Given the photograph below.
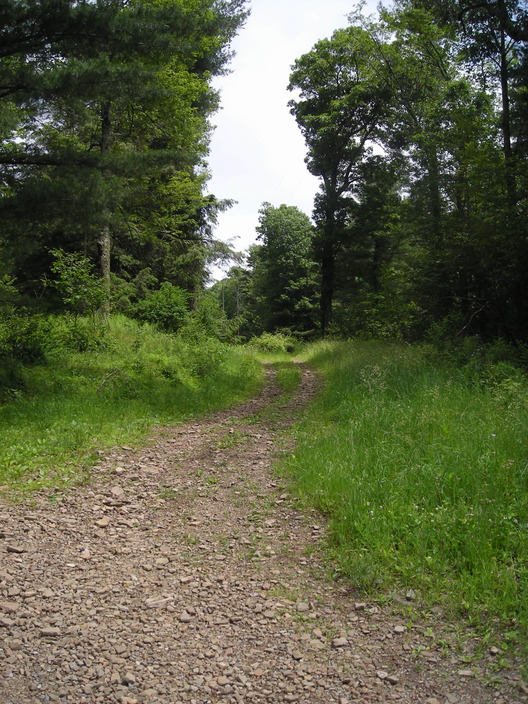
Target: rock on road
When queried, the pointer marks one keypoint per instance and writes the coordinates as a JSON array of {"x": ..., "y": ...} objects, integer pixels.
[{"x": 185, "y": 572}]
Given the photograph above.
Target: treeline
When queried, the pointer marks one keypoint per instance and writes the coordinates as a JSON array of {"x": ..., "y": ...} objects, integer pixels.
[
  {"x": 416, "y": 124},
  {"x": 104, "y": 129}
]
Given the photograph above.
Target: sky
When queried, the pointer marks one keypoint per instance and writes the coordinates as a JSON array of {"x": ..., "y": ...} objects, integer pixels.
[{"x": 257, "y": 151}]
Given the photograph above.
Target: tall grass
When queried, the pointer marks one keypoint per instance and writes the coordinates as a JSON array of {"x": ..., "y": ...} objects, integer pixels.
[
  {"x": 423, "y": 472},
  {"x": 79, "y": 402}
]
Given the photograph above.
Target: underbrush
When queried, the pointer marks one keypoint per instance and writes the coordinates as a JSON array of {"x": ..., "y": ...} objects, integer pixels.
[
  {"x": 96, "y": 388},
  {"x": 422, "y": 469}
]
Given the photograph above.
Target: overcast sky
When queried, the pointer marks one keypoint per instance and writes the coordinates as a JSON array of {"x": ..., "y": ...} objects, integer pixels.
[{"x": 257, "y": 150}]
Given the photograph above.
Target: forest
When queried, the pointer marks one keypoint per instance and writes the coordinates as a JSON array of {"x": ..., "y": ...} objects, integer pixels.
[
  {"x": 415, "y": 123},
  {"x": 406, "y": 287}
]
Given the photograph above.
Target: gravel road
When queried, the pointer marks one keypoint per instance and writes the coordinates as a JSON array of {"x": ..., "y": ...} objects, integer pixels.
[{"x": 185, "y": 572}]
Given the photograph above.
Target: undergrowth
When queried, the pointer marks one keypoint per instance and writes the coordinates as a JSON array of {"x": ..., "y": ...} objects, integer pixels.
[
  {"x": 422, "y": 470},
  {"x": 110, "y": 393}
]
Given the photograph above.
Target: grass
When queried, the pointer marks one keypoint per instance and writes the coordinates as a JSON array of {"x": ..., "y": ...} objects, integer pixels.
[
  {"x": 422, "y": 470},
  {"x": 78, "y": 403}
]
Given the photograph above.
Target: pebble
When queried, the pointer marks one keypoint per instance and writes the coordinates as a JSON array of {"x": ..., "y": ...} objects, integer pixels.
[
  {"x": 127, "y": 602},
  {"x": 50, "y": 632},
  {"x": 17, "y": 549}
]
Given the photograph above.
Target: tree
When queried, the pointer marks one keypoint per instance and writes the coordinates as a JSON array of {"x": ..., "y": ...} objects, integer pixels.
[
  {"x": 338, "y": 109},
  {"x": 490, "y": 40},
  {"x": 408, "y": 153},
  {"x": 284, "y": 272},
  {"x": 103, "y": 105}
]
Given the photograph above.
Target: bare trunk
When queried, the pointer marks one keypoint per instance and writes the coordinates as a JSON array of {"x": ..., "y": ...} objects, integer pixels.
[
  {"x": 506, "y": 122},
  {"x": 105, "y": 236},
  {"x": 105, "y": 246}
]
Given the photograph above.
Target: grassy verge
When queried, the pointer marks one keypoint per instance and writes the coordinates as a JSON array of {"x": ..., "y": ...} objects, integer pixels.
[
  {"x": 78, "y": 402},
  {"x": 422, "y": 470}
]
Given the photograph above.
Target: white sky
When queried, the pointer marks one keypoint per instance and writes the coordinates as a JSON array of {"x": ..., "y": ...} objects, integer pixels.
[{"x": 257, "y": 150}]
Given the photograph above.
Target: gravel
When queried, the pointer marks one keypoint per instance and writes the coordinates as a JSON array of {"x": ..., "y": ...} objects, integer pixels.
[{"x": 185, "y": 572}]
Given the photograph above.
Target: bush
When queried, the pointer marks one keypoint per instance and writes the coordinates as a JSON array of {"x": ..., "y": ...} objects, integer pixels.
[
  {"x": 80, "y": 289},
  {"x": 23, "y": 337},
  {"x": 76, "y": 335},
  {"x": 274, "y": 342},
  {"x": 168, "y": 307},
  {"x": 211, "y": 319}
]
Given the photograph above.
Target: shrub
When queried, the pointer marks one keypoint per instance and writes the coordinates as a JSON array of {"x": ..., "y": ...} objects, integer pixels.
[
  {"x": 80, "y": 289},
  {"x": 274, "y": 342},
  {"x": 168, "y": 307}
]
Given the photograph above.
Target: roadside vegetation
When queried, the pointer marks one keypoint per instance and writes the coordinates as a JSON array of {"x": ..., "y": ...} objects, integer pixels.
[
  {"x": 420, "y": 465},
  {"x": 97, "y": 385}
]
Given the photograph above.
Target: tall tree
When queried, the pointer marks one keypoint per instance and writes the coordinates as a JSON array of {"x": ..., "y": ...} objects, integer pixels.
[
  {"x": 112, "y": 99},
  {"x": 338, "y": 109},
  {"x": 284, "y": 272}
]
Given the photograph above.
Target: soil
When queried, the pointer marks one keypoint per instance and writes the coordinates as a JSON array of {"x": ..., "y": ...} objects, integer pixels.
[{"x": 186, "y": 572}]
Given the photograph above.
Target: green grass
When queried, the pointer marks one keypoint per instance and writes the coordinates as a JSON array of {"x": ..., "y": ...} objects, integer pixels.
[
  {"x": 288, "y": 376},
  {"x": 78, "y": 403},
  {"x": 423, "y": 473}
]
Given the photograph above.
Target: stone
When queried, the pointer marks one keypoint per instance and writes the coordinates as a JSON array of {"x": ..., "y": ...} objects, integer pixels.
[
  {"x": 50, "y": 632},
  {"x": 9, "y": 607},
  {"x": 17, "y": 549},
  {"x": 399, "y": 629},
  {"x": 381, "y": 674},
  {"x": 466, "y": 673},
  {"x": 302, "y": 607},
  {"x": 339, "y": 642}
]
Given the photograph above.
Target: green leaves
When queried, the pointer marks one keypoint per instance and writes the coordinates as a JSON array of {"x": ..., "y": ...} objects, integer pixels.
[
  {"x": 107, "y": 107},
  {"x": 80, "y": 289}
]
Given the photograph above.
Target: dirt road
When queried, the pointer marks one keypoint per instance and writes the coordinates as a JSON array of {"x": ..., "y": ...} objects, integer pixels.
[{"x": 183, "y": 572}]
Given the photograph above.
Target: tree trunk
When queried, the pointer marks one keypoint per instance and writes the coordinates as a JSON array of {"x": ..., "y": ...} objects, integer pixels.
[
  {"x": 105, "y": 246},
  {"x": 506, "y": 122},
  {"x": 327, "y": 284},
  {"x": 105, "y": 236}
]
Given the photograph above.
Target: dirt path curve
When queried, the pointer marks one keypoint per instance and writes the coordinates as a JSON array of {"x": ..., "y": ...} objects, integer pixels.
[{"x": 184, "y": 573}]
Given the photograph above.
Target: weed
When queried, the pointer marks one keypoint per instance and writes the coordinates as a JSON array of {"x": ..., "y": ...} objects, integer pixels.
[
  {"x": 75, "y": 403},
  {"x": 167, "y": 493},
  {"x": 423, "y": 477}
]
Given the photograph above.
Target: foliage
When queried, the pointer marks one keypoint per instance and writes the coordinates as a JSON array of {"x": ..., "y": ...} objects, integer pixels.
[
  {"x": 284, "y": 276},
  {"x": 80, "y": 290},
  {"x": 210, "y": 320},
  {"x": 79, "y": 403},
  {"x": 422, "y": 170},
  {"x": 104, "y": 112},
  {"x": 167, "y": 307},
  {"x": 277, "y": 290},
  {"x": 274, "y": 342},
  {"x": 423, "y": 475}
]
